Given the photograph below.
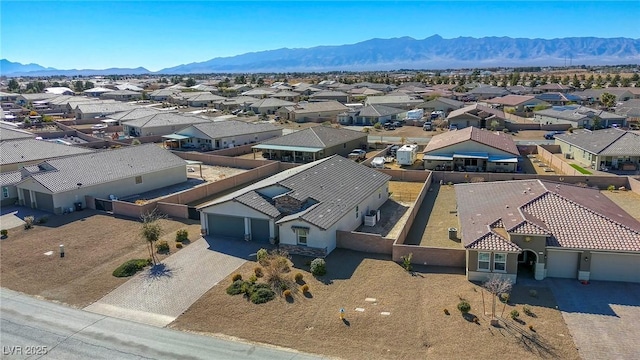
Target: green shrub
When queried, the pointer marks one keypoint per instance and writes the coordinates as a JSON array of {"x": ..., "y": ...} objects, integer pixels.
[
  {"x": 4, "y": 233},
  {"x": 298, "y": 277},
  {"x": 262, "y": 254},
  {"x": 258, "y": 271},
  {"x": 179, "y": 245},
  {"x": 527, "y": 310},
  {"x": 305, "y": 288},
  {"x": 253, "y": 279},
  {"x": 406, "y": 261},
  {"x": 318, "y": 267},
  {"x": 162, "y": 247},
  {"x": 235, "y": 288},
  {"x": 504, "y": 297},
  {"x": 182, "y": 235},
  {"x": 284, "y": 286},
  {"x": 262, "y": 295},
  {"x": 43, "y": 220},
  {"x": 287, "y": 293},
  {"x": 377, "y": 126},
  {"x": 130, "y": 267},
  {"x": 514, "y": 314},
  {"x": 464, "y": 307},
  {"x": 236, "y": 277},
  {"x": 611, "y": 187}
]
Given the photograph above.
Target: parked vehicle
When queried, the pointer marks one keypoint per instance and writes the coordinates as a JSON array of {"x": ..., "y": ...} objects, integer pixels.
[
  {"x": 357, "y": 155},
  {"x": 428, "y": 126},
  {"x": 407, "y": 154},
  {"x": 388, "y": 126},
  {"x": 393, "y": 150},
  {"x": 378, "y": 162},
  {"x": 397, "y": 124},
  {"x": 552, "y": 134}
]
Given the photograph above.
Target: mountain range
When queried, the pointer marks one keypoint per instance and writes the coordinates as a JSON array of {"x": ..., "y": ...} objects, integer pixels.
[{"x": 433, "y": 52}]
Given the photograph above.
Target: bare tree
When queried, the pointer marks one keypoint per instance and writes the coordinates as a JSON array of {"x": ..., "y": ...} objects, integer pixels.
[
  {"x": 152, "y": 230},
  {"x": 497, "y": 285}
]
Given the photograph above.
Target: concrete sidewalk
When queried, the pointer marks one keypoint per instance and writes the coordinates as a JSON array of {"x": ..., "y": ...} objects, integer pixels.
[{"x": 158, "y": 295}]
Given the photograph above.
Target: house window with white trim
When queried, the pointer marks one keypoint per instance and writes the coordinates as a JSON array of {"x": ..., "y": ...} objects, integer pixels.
[
  {"x": 302, "y": 235},
  {"x": 5, "y": 192},
  {"x": 500, "y": 262},
  {"x": 484, "y": 258}
]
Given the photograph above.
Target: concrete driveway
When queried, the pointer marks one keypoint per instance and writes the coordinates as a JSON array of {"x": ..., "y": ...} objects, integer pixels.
[
  {"x": 11, "y": 216},
  {"x": 157, "y": 296},
  {"x": 603, "y": 317}
]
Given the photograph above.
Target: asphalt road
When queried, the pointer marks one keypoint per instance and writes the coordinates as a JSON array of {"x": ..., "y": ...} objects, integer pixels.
[{"x": 36, "y": 329}]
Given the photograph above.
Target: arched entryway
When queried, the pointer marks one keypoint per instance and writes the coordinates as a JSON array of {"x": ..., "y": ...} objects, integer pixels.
[{"x": 527, "y": 262}]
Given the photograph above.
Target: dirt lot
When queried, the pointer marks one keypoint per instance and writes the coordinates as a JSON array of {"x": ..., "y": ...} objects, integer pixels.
[
  {"x": 627, "y": 200},
  {"x": 95, "y": 244},
  {"x": 436, "y": 215},
  {"x": 212, "y": 173},
  {"x": 404, "y": 192},
  {"x": 403, "y": 315}
]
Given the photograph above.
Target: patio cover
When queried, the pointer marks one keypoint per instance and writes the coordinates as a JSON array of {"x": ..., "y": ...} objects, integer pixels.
[
  {"x": 438, "y": 157},
  {"x": 471, "y": 156},
  {"x": 176, "y": 137},
  {"x": 287, "y": 148},
  {"x": 503, "y": 159}
]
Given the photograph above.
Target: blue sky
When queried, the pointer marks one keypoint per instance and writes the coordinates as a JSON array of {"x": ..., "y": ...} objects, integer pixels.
[{"x": 159, "y": 34}]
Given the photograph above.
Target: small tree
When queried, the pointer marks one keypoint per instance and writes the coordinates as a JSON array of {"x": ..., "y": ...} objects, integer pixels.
[
  {"x": 608, "y": 100},
  {"x": 497, "y": 285},
  {"x": 190, "y": 82},
  {"x": 151, "y": 231}
]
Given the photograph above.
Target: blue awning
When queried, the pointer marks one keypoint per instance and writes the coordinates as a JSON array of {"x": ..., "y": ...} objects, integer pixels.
[
  {"x": 176, "y": 137},
  {"x": 471, "y": 156},
  {"x": 437, "y": 157},
  {"x": 502, "y": 159}
]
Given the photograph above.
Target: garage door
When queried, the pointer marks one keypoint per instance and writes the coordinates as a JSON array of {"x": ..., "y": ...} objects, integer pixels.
[
  {"x": 226, "y": 226},
  {"x": 562, "y": 264},
  {"x": 615, "y": 267},
  {"x": 45, "y": 201},
  {"x": 260, "y": 230}
]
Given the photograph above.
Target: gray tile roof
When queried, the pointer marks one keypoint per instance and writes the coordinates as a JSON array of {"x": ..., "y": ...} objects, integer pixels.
[
  {"x": 392, "y": 99},
  {"x": 317, "y": 107},
  {"x": 136, "y": 113},
  {"x": 221, "y": 129},
  {"x": 106, "y": 166},
  {"x": 165, "y": 119},
  {"x": 271, "y": 102},
  {"x": 28, "y": 150},
  {"x": 10, "y": 178},
  {"x": 103, "y": 108},
  {"x": 575, "y": 217},
  {"x": 604, "y": 142},
  {"x": 10, "y": 133},
  {"x": 379, "y": 110},
  {"x": 477, "y": 110},
  {"x": 577, "y": 112},
  {"x": 317, "y": 137},
  {"x": 330, "y": 183}
]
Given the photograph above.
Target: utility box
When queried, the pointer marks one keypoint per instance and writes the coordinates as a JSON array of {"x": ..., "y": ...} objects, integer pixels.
[{"x": 453, "y": 233}]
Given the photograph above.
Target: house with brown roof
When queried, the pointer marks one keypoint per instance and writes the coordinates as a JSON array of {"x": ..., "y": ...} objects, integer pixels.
[
  {"x": 477, "y": 115},
  {"x": 518, "y": 103},
  {"x": 540, "y": 229},
  {"x": 471, "y": 149},
  {"x": 312, "y": 111},
  {"x": 606, "y": 149}
]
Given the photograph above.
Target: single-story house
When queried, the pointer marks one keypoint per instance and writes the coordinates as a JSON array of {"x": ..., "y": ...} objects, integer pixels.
[
  {"x": 338, "y": 96},
  {"x": 198, "y": 99},
  {"x": 471, "y": 149},
  {"x": 477, "y": 115},
  {"x": 57, "y": 185},
  {"x": 520, "y": 90},
  {"x": 88, "y": 110},
  {"x": 286, "y": 95},
  {"x": 313, "y": 111},
  {"x": 162, "y": 94},
  {"x": 97, "y": 91},
  {"x": 553, "y": 87},
  {"x": 136, "y": 113},
  {"x": 17, "y": 153},
  {"x": 484, "y": 92},
  {"x": 629, "y": 109},
  {"x": 259, "y": 93},
  {"x": 8, "y": 181},
  {"x": 593, "y": 96},
  {"x": 602, "y": 149},
  {"x": 24, "y": 99},
  {"x": 160, "y": 124},
  {"x": 223, "y": 134},
  {"x": 269, "y": 105},
  {"x": 519, "y": 103},
  {"x": 122, "y": 95},
  {"x": 8, "y": 132},
  {"x": 370, "y": 115},
  {"x": 239, "y": 102},
  {"x": 300, "y": 208},
  {"x": 544, "y": 229},
  {"x": 398, "y": 101},
  {"x": 60, "y": 90},
  {"x": 312, "y": 144},
  {"x": 557, "y": 98},
  {"x": 443, "y": 104},
  {"x": 578, "y": 116},
  {"x": 8, "y": 97},
  {"x": 364, "y": 92}
]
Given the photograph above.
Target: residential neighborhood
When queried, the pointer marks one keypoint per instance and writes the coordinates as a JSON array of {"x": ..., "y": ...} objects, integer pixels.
[{"x": 308, "y": 209}]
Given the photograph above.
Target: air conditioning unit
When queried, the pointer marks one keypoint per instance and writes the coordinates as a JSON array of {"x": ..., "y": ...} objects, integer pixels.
[{"x": 568, "y": 156}]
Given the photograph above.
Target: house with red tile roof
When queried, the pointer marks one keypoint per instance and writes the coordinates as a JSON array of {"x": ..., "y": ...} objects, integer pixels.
[
  {"x": 472, "y": 149},
  {"x": 542, "y": 229}
]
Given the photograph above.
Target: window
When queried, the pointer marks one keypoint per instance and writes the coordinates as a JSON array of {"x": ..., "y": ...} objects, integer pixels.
[
  {"x": 357, "y": 212},
  {"x": 5, "y": 192},
  {"x": 138, "y": 179},
  {"x": 500, "y": 262},
  {"x": 483, "y": 261},
  {"x": 302, "y": 236}
]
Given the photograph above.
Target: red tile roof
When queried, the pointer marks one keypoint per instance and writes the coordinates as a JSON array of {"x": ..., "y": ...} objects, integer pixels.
[{"x": 573, "y": 216}]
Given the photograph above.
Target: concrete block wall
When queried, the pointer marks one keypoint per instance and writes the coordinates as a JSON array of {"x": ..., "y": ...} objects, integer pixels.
[
  {"x": 176, "y": 211},
  {"x": 364, "y": 242},
  {"x": 413, "y": 210},
  {"x": 430, "y": 255}
]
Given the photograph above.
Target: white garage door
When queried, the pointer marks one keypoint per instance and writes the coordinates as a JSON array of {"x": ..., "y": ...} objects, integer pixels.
[
  {"x": 615, "y": 267},
  {"x": 562, "y": 264}
]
